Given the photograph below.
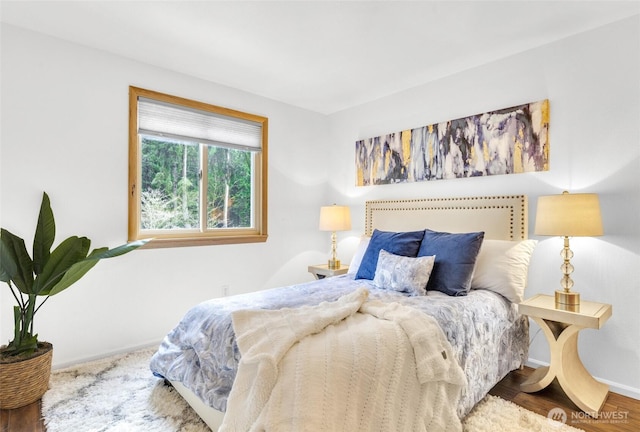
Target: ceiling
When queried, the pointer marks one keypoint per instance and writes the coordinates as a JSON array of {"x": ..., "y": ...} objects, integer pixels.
[{"x": 323, "y": 56}]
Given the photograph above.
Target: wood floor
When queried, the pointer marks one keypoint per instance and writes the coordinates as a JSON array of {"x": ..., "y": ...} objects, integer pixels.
[
  {"x": 25, "y": 419},
  {"x": 620, "y": 413}
]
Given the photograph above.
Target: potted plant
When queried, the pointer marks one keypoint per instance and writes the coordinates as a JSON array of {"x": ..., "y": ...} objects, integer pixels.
[{"x": 32, "y": 281}]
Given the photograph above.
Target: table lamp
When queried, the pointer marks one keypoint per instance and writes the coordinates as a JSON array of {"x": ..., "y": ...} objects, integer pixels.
[
  {"x": 334, "y": 218},
  {"x": 568, "y": 215}
]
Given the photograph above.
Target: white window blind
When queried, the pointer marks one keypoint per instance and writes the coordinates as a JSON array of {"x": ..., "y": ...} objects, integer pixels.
[{"x": 163, "y": 119}]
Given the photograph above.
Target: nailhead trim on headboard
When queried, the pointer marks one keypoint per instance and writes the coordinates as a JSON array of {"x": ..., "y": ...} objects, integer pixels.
[{"x": 516, "y": 205}]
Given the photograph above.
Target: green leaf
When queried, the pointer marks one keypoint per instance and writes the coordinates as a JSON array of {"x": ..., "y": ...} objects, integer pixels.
[
  {"x": 45, "y": 234},
  {"x": 69, "y": 252},
  {"x": 18, "y": 265},
  {"x": 104, "y": 253},
  {"x": 74, "y": 273},
  {"x": 7, "y": 263},
  {"x": 81, "y": 268}
]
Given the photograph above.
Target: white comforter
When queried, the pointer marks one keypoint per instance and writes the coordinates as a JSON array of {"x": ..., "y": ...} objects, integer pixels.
[{"x": 343, "y": 366}]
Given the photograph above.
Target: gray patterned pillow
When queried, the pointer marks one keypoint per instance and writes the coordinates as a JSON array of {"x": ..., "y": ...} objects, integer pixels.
[{"x": 403, "y": 274}]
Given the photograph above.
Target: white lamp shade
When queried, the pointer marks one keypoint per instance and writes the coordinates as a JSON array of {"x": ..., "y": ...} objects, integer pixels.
[
  {"x": 571, "y": 215},
  {"x": 335, "y": 218}
]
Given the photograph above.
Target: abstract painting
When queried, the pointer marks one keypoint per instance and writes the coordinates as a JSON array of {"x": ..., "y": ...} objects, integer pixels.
[{"x": 506, "y": 141}]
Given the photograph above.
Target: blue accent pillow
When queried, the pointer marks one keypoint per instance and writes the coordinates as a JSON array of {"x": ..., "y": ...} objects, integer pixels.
[
  {"x": 398, "y": 243},
  {"x": 456, "y": 256}
]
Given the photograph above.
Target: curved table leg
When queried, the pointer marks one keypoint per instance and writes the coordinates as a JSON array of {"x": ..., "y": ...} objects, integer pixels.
[{"x": 578, "y": 384}]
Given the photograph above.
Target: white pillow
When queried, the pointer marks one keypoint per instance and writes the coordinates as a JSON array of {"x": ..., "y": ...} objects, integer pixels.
[
  {"x": 403, "y": 274},
  {"x": 502, "y": 266},
  {"x": 357, "y": 256}
]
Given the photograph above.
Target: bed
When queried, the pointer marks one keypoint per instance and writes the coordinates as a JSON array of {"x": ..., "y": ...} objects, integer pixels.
[{"x": 477, "y": 254}]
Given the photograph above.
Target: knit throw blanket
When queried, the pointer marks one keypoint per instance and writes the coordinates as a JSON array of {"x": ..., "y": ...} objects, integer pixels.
[{"x": 348, "y": 365}]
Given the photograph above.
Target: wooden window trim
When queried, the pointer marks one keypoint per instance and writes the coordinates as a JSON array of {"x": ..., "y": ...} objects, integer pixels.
[{"x": 194, "y": 238}]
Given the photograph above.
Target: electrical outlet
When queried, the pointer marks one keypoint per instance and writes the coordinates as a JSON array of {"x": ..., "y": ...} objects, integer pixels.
[{"x": 224, "y": 290}]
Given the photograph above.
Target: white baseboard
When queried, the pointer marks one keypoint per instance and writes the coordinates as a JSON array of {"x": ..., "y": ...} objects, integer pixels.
[
  {"x": 78, "y": 361},
  {"x": 615, "y": 387}
]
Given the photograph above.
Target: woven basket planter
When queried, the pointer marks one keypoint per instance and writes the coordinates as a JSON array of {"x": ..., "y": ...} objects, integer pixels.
[{"x": 25, "y": 381}]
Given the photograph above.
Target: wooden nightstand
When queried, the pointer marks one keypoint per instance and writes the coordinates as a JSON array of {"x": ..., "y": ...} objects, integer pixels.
[
  {"x": 561, "y": 329},
  {"x": 322, "y": 271}
]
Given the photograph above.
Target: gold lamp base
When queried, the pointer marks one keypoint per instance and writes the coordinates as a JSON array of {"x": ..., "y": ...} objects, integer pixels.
[
  {"x": 568, "y": 300},
  {"x": 334, "y": 264}
]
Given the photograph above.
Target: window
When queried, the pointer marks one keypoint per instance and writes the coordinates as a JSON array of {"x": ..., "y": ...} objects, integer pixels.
[{"x": 197, "y": 172}]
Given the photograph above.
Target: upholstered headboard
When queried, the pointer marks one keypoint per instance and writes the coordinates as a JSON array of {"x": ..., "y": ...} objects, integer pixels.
[{"x": 500, "y": 217}]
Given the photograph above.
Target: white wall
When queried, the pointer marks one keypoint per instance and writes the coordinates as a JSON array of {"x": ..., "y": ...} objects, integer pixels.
[
  {"x": 65, "y": 131},
  {"x": 593, "y": 83}
]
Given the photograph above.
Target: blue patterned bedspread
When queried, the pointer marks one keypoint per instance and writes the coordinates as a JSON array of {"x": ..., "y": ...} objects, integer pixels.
[{"x": 487, "y": 334}]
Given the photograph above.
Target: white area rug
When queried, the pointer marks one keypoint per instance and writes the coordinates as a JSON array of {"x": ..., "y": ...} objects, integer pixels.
[{"x": 119, "y": 394}]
